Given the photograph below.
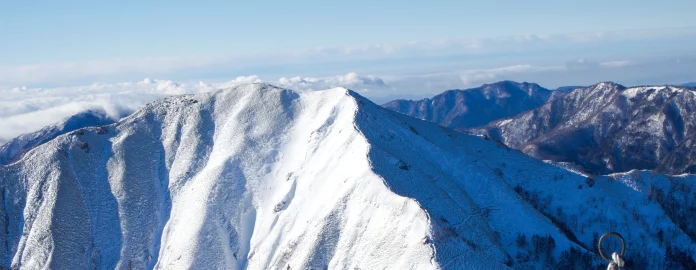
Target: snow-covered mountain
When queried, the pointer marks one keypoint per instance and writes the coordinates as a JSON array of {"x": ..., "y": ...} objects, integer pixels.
[
  {"x": 609, "y": 128},
  {"x": 258, "y": 177},
  {"x": 15, "y": 148},
  {"x": 459, "y": 109}
]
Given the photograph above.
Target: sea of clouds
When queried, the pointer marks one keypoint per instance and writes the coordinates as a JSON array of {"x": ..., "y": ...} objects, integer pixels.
[
  {"x": 28, "y": 109},
  {"x": 24, "y": 110}
]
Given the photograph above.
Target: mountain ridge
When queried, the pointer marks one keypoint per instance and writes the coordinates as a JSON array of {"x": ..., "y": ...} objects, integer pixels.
[
  {"x": 260, "y": 177},
  {"x": 13, "y": 150},
  {"x": 73, "y": 147},
  {"x": 603, "y": 118}
]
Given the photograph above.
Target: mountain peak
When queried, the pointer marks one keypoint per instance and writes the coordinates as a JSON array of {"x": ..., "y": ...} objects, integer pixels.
[
  {"x": 608, "y": 85},
  {"x": 528, "y": 88},
  {"x": 512, "y": 83},
  {"x": 276, "y": 177}
]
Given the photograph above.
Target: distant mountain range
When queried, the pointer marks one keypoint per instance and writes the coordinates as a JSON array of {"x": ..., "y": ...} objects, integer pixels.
[
  {"x": 461, "y": 109},
  {"x": 609, "y": 128},
  {"x": 604, "y": 128}
]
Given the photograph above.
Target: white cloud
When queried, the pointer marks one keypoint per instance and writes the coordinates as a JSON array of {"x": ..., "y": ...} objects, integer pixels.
[
  {"x": 111, "y": 70},
  {"x": 353, "y": 79},
  {"x": 584, "y": 64},
  {"x": 299, "y": 83},
  {"x": 477, "y": 77},
  {"x": 617, "y": 64},
  {"x": 237, "y": 81},
  {"x": 24, "y": 109},
  {"x": 34, "y": 120},
  {"x": 350, "y": 80},
  {"x": 69, "y": 71}
]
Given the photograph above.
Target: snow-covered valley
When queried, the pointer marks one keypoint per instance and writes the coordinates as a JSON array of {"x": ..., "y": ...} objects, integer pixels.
[{"x": 259, "y": 177}]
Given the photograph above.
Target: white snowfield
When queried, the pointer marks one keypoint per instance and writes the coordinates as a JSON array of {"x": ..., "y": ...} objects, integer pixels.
[{"x": 258, "y": 177}]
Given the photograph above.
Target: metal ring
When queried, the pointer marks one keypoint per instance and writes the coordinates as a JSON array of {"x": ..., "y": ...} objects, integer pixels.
[{"x": 599, "y": 245}]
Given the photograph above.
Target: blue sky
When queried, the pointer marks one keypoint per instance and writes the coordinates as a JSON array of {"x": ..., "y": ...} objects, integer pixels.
[{"x": 417, "y": 47}]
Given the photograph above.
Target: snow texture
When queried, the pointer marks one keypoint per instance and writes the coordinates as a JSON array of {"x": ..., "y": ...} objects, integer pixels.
[
  {"x": 26, "y": 110},
  {"x": 259, "y": 177},
  {"x": 15, "y": 148},
  {"x": 609, "y": 128}
]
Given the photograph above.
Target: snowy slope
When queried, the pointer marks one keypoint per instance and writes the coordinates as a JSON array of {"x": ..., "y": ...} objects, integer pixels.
[
  {"x": 258, "y": 177},
  {"x": 474, "y": 107},
  {"x": 27, "y": 110},
  {"x": 609, "y": 128},
  {"x": 15, "y": 148}
]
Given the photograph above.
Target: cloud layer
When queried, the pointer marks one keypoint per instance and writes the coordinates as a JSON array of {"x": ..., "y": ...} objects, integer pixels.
[
  {"x": 366, "y": 58},
  {"x": 351, "y": 80},
  {"x": 26, "y": 109}
]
